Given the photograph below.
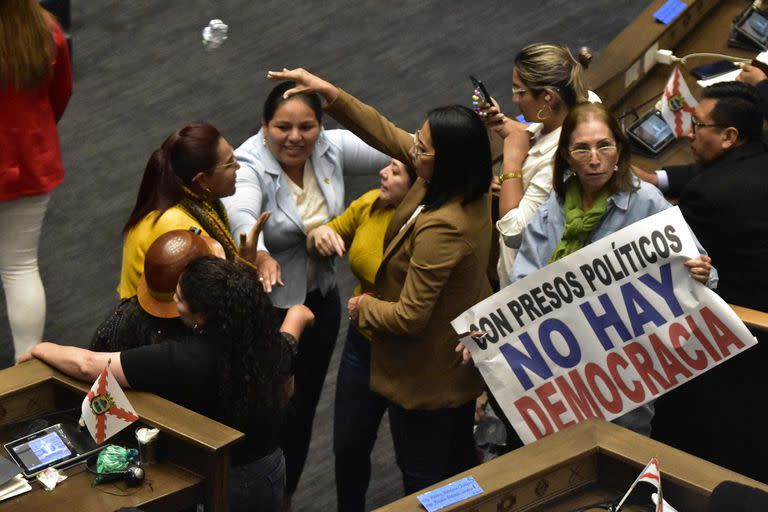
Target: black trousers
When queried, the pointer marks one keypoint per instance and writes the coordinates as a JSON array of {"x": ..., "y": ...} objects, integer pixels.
[
  {"x": 431, "y": 446},
  {"x": 315, "y": 350},
  {"x": 357, "y": 414}
]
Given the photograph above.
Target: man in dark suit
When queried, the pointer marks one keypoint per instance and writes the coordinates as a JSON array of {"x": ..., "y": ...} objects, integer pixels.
[
  {"x": 724, "y": 195},
  {"x": 724, "y": 198}
]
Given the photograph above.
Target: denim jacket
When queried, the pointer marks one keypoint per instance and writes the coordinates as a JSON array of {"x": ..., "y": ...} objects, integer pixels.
[
  {"x": 262, "y": 185},
  {"x": 543, "y": 233}
]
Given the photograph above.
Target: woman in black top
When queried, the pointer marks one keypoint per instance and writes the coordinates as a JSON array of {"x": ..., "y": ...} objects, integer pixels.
[{"x": 237, "y": 369}]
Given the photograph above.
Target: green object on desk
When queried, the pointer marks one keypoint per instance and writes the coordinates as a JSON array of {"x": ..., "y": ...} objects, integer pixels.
[{"x": 113, "y": 459}]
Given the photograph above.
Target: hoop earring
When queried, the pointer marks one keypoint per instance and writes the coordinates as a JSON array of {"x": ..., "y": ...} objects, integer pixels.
[{"x": 542, "y": 117}]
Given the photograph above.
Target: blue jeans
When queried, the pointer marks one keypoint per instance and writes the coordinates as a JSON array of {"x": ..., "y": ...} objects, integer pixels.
[
  {"x": 357, "y": 415},
  {"x": 258, "y": 485}
]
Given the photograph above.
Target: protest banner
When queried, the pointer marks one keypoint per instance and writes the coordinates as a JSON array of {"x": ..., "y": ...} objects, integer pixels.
[{"x": 602, "y": 331}]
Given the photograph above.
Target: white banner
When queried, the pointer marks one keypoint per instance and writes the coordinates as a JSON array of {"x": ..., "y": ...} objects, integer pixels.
[{"x": 603, "y": 330}]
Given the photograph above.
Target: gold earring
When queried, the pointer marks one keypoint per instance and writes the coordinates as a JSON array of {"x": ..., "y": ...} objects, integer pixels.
[{"x": 542, "y": 117}]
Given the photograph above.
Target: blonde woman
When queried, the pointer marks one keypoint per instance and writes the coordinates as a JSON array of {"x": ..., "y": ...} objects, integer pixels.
[
  {"x": 547, "y": 82},
  {"x": 35, "y": 86}
]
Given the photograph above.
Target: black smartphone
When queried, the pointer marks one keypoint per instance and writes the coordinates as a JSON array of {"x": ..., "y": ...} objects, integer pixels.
[
  {"x": 713, "y": 69},
  {"x": 483, "y": 91}
]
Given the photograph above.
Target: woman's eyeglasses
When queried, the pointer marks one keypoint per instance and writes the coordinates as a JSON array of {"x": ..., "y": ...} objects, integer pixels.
[
  {"x": 228, "y": 164},
  {"x": 585, "y": 154},
  {"x": 417, "y": 151}
]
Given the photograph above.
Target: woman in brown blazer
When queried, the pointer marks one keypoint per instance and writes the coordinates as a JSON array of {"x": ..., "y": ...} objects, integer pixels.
[{"x": 435, "y": 255}]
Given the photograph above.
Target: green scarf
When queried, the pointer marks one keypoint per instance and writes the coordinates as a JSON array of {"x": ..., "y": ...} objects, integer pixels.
[{"x": 578, "y": 223}]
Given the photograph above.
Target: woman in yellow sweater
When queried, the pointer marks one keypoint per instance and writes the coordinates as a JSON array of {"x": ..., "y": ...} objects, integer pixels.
[
  {"x": 182, "y": 188},
  {"x": 358, "y": 410}
]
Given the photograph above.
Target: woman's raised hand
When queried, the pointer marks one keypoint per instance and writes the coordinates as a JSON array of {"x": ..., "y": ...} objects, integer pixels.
[
  {"x": 306, "y": 82},
  {"x": 326, "y": 242},
  {"x": 700, "y": 268}
]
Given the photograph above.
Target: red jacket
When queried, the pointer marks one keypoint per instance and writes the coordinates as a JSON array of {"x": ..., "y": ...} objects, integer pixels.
[{"x": 30, "y": 155}]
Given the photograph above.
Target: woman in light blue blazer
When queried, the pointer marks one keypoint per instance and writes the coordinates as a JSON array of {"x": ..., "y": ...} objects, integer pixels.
[{"x": 295, "y": 169}]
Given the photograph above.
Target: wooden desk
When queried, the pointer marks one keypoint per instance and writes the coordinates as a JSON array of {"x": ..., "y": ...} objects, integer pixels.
[
  {"x": 703, "y": 27},
  {"x": 590, "y": 462},
  {"x": 193, "y": 451}
]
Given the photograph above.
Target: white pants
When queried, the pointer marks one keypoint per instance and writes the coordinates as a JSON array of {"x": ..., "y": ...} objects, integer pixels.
[{"x": 20, "y": 223}]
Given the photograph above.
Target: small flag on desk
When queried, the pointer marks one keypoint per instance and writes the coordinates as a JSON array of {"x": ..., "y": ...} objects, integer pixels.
[
  {"x": 106, "y": 410},
  {"x": 652, "y": 475},
  {"x": 677, "y": 104}
]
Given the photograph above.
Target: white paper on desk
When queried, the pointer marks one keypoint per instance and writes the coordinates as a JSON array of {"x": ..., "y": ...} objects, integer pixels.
[
  {"x": 15, "y": 486},
  {"x": 726, "y": 77}
]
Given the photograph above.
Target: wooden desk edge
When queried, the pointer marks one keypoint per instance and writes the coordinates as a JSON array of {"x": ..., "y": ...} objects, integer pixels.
[
  {"x": 752, "y": 317},
  {"x": 199, "y": 430}
]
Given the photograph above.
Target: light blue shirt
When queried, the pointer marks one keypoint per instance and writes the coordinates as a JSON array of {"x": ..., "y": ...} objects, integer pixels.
[
  {"x": 543, "y": 233},
  {"x": 262, "y": 185}
]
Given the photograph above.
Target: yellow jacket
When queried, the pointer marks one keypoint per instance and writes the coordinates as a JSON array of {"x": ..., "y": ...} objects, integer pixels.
[
  {"x": 138, "y": 240},
  {"x": 362, "y": 229}
]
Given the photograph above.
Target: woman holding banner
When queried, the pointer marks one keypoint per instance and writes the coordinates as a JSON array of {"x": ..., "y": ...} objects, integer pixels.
[{"x": 595, "y": 194}]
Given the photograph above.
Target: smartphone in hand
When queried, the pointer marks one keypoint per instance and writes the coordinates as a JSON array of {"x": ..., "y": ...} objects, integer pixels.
[{"x": 481, "y": 87}]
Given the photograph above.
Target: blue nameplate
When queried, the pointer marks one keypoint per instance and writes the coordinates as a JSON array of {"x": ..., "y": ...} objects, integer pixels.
[
  {"x": 669, "y": 11},
  {"x": 449, "y": 494},
  {"x": 521, "y": 118}
]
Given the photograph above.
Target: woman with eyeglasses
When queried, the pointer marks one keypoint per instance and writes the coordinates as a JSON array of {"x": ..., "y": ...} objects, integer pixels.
[
  {"x": 433, "y": 268},
  {"x": 182, "y": 188},
  {"x": 595, "y": 194},
  {"x": 547, "y": 81},
  {"x": 296, "y": 169}
]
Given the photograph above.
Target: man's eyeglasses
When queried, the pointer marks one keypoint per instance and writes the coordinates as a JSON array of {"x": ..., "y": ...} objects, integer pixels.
[
  {"x": 695, "y": 125},
  {"x": 585, "y": 154}
]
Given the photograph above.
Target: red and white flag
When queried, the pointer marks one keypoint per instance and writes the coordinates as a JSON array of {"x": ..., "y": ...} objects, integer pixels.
[
  {"x": 106, "y": 410},
  {"x": 652, "y": 475},
  {"x": 678, "y": 104}
]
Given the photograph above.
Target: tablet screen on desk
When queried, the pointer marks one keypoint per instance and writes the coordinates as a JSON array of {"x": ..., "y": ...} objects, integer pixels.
[
  {"x": 51, "y": 447},
  {"x": 754, "y": 26},
  {"x": 652, "y": 132},
  {"x": 43, "y": 451}
]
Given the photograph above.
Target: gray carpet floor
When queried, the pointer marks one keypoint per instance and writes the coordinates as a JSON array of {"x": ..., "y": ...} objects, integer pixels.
[{"x": 141, "y": 72}]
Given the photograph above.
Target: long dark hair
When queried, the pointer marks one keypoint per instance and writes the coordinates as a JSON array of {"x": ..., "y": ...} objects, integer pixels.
[
  {"x": 462, "y": 156},
  {"x": 186, "y": 152},
  {"x": 622, "y": 179},
  {"x": 240, "y": 320}
]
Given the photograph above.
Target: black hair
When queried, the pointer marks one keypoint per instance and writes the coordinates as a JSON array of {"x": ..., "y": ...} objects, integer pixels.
[
  {"x": 186, "y": 152},
  {"x": 241, "y": 321},
  {"x": 275, "y": 99},
  {"x": 737, "y": 105},
  {"x": 462, "y": 156}
]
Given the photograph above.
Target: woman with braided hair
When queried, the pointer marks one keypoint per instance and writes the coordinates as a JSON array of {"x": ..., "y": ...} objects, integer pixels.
[
  {"x": 182, "y": 187},
  {"x": 237, "y": 369}
]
